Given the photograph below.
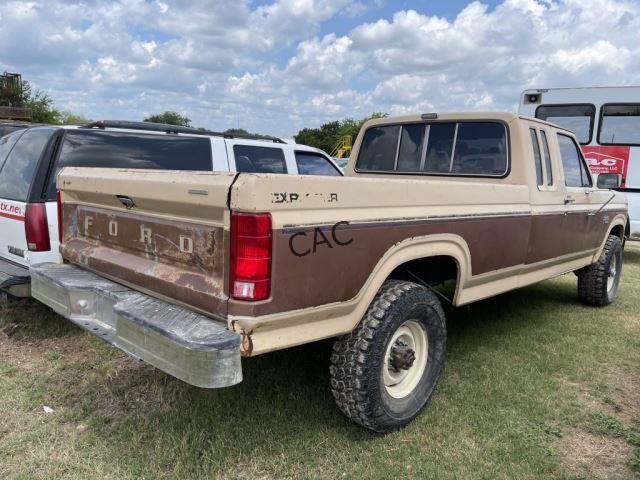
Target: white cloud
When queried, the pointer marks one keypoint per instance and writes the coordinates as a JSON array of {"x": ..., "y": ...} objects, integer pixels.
[{"x": 277, "y": 67}]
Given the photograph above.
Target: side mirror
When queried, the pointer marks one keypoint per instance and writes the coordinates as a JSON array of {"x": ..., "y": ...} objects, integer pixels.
[{"x": 609, "y": 180}]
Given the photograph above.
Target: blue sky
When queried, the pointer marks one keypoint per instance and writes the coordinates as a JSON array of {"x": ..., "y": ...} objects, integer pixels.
[{"x": 275, "y": 66}]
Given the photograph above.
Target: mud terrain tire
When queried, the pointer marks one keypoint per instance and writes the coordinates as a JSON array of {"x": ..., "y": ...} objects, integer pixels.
[
  {"x": 364, "y": 391},
  {"x": 598, "y": 283}
]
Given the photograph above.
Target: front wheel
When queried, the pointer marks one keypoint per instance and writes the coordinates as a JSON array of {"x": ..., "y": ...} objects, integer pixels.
[
  {"x": 385, "y": 370},
  {"x": 598, "y": 283}
]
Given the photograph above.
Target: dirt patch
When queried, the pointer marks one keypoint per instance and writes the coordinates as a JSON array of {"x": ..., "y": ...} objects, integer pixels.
[
  {"x": 617, "y": 394},
  {"x": 584, "y": 453}
]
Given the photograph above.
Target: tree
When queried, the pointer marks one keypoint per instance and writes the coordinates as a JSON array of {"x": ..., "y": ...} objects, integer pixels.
[
  {"x": 170, "y": 118},
  {"x": 42, "y": 109},
  {"x": 69, "y": 118},
  {"x": 329, "y": 134},
  {"x": 236, "y": 131}
]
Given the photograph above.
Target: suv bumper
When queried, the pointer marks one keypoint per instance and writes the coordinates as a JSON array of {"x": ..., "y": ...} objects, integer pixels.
[
  {"x": 14, "y": 278},
  {"x": 178, "y": 341}
]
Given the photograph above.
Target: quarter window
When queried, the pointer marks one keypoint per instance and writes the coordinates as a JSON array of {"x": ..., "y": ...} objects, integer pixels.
[
  {"x": 547, "y": 157},
  {"x": 575, "y": 172},
  {"x": 18, "y": 171},
  {"x": 253, "y": 159},
  {"x": 314, "y": 164},
  {"x": 620, "y": 125},
  {"x": 536, "y": 155},
  {"x": 6, "y": 144},
  {"x": 578, "y": 118},
  {"x": 462, "y": 148}
]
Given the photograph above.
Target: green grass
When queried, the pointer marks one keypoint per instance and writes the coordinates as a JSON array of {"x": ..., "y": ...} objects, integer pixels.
[{"x": 529, "y": 376}]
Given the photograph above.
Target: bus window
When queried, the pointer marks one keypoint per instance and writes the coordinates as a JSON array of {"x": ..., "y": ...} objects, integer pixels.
[
  {"x": 578, "y": 118},
  {"x": 620, "y": 124}
]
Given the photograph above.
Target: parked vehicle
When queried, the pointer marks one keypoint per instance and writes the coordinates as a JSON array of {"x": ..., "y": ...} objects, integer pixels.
[
  {"x": 190, "y": 273},
  {"x": 606, "y": 121},
  {"x": 29, "y": 160}
]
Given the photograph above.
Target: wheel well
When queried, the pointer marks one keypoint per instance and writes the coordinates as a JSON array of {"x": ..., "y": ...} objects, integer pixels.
[
  {"x": 618, "y": 231},
  {"x": 431, "y": 270}
]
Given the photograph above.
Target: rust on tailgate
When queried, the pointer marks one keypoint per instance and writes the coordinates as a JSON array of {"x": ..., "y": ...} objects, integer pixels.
[{"x": 179, "y": 260}]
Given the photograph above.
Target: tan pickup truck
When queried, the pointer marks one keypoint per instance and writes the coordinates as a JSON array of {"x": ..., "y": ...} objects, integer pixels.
[{"x": 189, "y": 271}]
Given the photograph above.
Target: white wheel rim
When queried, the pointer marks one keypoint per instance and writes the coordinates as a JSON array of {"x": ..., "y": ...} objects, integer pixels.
[
  {"x": 400, "y": 382},
  {"x": 613, "y": 273}
]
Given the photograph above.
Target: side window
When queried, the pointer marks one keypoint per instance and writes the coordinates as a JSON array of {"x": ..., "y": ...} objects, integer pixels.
[
  {"x": 314, "y": 164},
  {"x": 620, "y": 125},
  {"x": 575, "y": 172},
  {"x": 114, "y": 149},
  {"x": 547, "y": 157},
  {"x": 18, "y": 170},
  {"x": 578, "y": 118},
  {"x": 463, "y": 148},
  {"x": 253, "y": 159},
  {"x": 379, "y": 148},
  {"x": 536, "y": 155}
]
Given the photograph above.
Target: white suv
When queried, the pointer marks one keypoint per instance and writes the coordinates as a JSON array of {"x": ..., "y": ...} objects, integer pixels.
[{"x": 31, "y": 158}]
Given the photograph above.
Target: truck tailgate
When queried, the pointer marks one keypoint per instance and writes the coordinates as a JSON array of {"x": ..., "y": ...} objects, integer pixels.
[{"x": 150, "y": 231}]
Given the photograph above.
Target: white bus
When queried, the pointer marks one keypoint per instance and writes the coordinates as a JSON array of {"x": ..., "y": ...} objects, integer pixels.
[{"x": 606, "y": 121}]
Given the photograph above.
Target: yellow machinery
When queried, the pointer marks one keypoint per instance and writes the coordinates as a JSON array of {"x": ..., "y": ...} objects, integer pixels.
[{"x": 343, "y": 147}]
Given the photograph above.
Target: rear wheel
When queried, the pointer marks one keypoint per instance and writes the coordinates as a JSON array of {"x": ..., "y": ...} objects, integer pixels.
[
  {"x": 384, "y": 371},
  {"x": 598, "y": 283}
]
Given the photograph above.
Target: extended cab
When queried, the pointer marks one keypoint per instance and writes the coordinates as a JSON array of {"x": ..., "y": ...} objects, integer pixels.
[
  {"x": 31, "y": 158},
  {"x": 191, "y": 271}
]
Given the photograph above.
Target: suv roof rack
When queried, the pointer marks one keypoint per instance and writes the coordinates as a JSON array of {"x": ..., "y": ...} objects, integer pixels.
[{"x": 165, "y": 127}]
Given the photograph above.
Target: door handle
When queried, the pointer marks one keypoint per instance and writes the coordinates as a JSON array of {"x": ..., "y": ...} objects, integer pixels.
[
  {"x": 568, "y": 200},
  {"x": 588, "y": 191}
]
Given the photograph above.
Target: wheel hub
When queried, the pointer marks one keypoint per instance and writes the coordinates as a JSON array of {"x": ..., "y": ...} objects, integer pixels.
[{"x": 402, "y": 356}]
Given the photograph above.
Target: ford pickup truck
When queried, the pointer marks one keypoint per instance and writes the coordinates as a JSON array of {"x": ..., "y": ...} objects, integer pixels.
[{"x": 192, "y": 271}]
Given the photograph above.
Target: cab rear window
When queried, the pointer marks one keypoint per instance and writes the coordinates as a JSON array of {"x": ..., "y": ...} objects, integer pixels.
[
  {"x": 443, "y": 148},
  {"x": 113, "y": 149}
]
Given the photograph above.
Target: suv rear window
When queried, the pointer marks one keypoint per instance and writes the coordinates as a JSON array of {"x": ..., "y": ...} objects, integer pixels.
[
  {"x": 447, "y": 148},
  {"x": 113, "y": 149},
  {"x": 578, "y": 118},
  {"x": 18, "y": 170},
  {"x": 253, "y": 159},
  {"x": 315, "y": 164}
]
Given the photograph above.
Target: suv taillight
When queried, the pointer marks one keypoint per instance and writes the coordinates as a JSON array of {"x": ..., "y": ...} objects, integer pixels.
[
  {"x": 35, "y": 228},
  {"x": 250, "y": 272}
]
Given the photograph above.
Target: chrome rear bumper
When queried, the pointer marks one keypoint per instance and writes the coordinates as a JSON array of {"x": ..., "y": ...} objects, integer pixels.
[{"x": 178, "y": 341}]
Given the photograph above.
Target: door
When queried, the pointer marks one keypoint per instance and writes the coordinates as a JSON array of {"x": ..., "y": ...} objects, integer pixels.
[
  {"x": 547, "y": 240},
  {"x": 581, "y": 200}
]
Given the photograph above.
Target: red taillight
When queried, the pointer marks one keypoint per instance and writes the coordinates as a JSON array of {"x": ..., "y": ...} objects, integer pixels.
[
  {"x": 250, "y": 274},
  {"x": 59, "y": 205},
  {"x": 36, "y": 228}
]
